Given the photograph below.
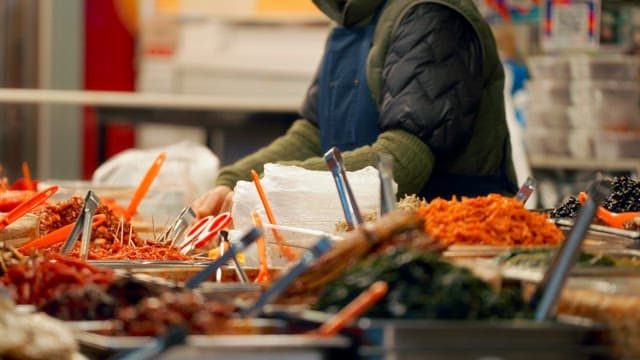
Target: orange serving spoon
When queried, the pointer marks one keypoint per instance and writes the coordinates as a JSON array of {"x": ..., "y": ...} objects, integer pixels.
[
  {"x": 27, "y": 206},
  {"x": 616, "y": 220},
  {"x": 57, "y": 236},
  {"x": 144, "y": 185}
]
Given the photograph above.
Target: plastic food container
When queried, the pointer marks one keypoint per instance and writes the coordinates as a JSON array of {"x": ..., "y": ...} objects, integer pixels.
[
  {"x": 614, "y": 302},
  {"x": 292, "y": 240},
  {"x": 549, "y": 67},
  {"x": 613, "y": 145},
  {"x": 546, "y": 141},
  {"x": 605, "y": 92},
  {"x": 605, "y": 67},
  {"x": 550, "y": 91},
  {"x": 604, "y": 116},
  {"x": 546, "y": 115}
]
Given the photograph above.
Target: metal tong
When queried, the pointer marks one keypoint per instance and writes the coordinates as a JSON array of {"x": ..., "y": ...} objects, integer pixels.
[
  {"x": 205, "y": 273},
  {"x": 525, "y": 191},
  {"x": 385, "y": 172},
  {"x": 333, "y": 158},
  {"x": 242, "y": 276},
  {"x": 548, "y": 292},
  {"x": 83, "y": 224},
  {"x": 175, "y": 232}
]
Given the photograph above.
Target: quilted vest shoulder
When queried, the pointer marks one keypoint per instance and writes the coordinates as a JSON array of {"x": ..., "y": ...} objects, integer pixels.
[{"x": 394, "y": 11}]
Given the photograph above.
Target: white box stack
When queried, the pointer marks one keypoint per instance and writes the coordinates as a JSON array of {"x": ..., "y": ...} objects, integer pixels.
[
  {"x": 546, "y": 121},
  {"x": 584, "y": 106}
]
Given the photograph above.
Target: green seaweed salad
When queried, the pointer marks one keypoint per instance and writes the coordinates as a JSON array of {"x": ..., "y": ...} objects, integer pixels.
[{"x": 422, "y": 286}]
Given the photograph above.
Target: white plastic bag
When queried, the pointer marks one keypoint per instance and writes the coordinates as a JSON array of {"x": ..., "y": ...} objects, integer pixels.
[{"x": 188, "y": 171}]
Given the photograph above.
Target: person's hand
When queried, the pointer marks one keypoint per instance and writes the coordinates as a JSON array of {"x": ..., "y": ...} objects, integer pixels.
[{"x": 214, "y": 201}]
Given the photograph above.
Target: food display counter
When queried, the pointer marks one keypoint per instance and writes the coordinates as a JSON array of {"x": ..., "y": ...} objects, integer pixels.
[{"x": 463, "y": 278}]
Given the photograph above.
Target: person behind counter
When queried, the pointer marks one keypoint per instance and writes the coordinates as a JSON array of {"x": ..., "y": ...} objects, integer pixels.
[{"x": 420, "y": 80}]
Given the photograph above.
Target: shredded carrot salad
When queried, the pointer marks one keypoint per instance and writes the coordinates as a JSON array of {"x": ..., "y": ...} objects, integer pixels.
[{"x": 487, "y": 220}]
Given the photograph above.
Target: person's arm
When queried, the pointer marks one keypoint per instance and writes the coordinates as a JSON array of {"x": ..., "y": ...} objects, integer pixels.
[
  {"x": 301, "y": 141},
  {"x": 410, "y": 155}
]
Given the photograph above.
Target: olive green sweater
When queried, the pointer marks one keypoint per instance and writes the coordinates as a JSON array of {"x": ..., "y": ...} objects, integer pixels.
[{"x": 300, "y": 146}]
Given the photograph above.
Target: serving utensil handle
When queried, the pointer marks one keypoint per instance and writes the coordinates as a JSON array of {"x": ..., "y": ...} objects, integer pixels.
[
  {"x": 548, "y": 292},
  {"x": 334, "y": 161},
  {"x": 320, "y": 247},
  {"x": 205, "y": 273}
]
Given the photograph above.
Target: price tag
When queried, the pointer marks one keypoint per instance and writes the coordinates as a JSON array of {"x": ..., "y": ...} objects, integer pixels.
[{"x": 570, "y": 24}]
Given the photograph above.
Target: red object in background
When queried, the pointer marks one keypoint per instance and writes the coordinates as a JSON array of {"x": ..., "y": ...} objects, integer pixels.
[
  {"x": 109, "y": 50},
  {"x": 12, "y": 198},
  {"x": 21, "y": 184}
]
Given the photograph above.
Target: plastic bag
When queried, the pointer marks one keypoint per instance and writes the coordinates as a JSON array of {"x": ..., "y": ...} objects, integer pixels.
[{"x": 189, "y": 170}]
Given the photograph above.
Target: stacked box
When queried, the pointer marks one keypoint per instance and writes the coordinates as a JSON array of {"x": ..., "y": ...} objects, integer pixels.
[{"x": 584, "y": 106}]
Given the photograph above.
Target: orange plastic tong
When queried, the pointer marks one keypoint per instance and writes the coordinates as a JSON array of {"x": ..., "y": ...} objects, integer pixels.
[
  {"x": 144, "y": 185},
  {"x": 288, "y": 253},
  {"x": 27, "y": 206},
  {"x": 58, "y": 235},
  {"x": 355, "y": 308},
  {"x": 27, "y": 176},
  {"x": 263, "y": 267},
  {"x": 616, "y": 220}
]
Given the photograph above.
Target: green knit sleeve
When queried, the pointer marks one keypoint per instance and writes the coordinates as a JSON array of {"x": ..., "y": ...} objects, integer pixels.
[
  {"x": 412, "y": 165},
  {"x": 302, "y": 141},
  {"x": 300, "y": 146}
]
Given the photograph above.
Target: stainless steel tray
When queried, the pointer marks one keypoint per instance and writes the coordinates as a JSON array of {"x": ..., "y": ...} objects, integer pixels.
[
  {"x": 571, "y": 338},
  {"x": 229, "y": 292},
  {"x": 177, "y": 271},
  {"x": 278, "y": 346},
  {"x": 535, "y": 274},
  {"x": 522, "y": 340},
  {"x": 150, "y": 264}
]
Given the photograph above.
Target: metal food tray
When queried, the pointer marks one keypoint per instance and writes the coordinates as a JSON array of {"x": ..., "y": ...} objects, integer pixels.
[
  {"x": 532, "y": 273},
  {"x": 594, "y": 242},
  {"x": 270, "y": 346},
  {"x": 453, "y": 340},
  {"x": 536, "y": 275},
  {"x": 483, "y": 251},
  {"x": 176, "y": 270},
  {"x": 599, "y": 230},
  {"x": 151, "y": 264},
  {"x": 377, "y": 339},
  {"x": 230, "y": 292}
]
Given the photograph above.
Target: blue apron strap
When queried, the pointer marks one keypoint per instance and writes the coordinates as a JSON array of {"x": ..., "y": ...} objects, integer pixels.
[{"x": 347, "y": 113}]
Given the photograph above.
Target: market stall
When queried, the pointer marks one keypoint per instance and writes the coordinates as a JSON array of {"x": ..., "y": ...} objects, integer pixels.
[
  {"x": 447, "y": 279},
  {"x": 330, "y": 263}
]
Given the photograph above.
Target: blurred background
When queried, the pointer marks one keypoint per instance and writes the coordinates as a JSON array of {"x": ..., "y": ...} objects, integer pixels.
[{"x": 572, "y": 66}]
